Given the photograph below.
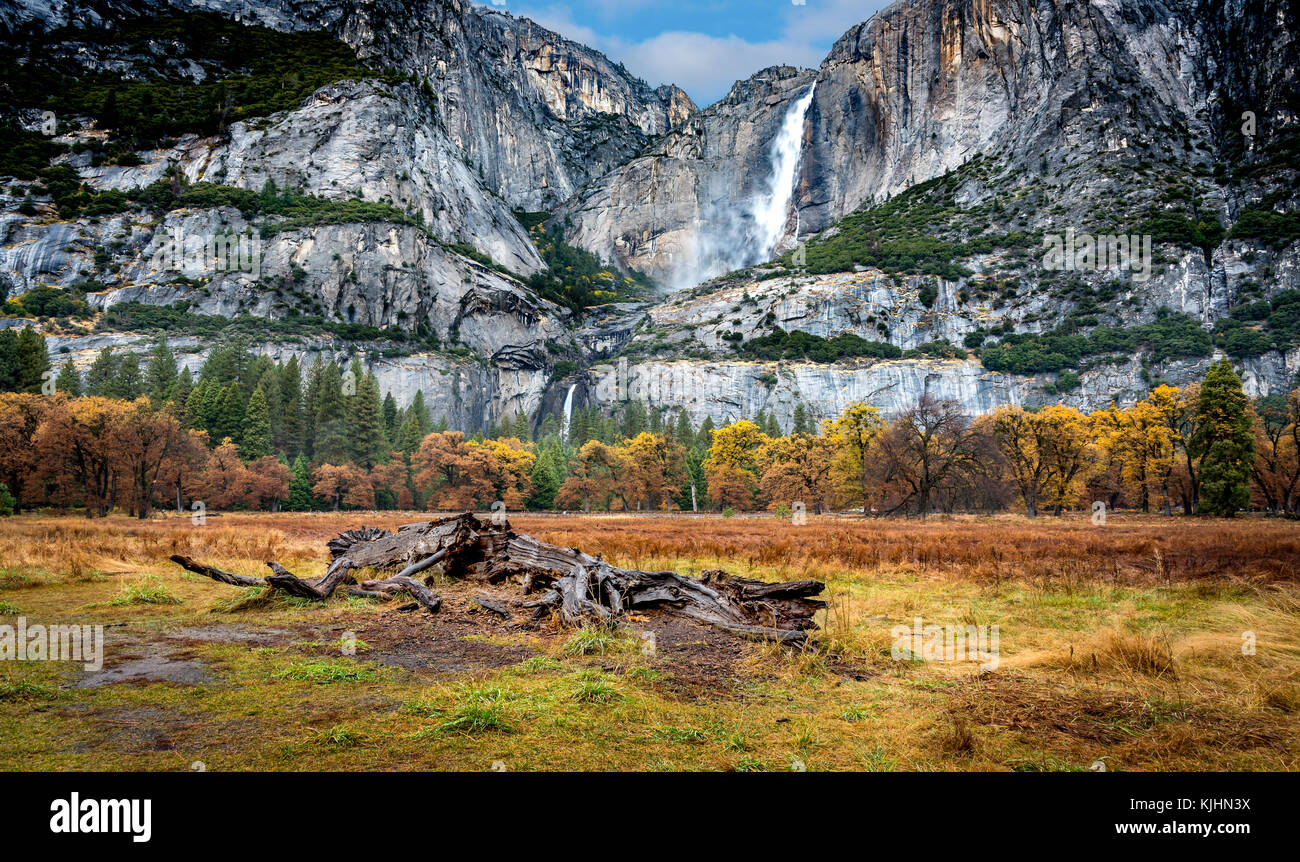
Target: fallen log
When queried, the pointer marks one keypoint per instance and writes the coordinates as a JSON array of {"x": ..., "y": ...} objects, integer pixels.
[
  {"x": 319, "y": 589},
  {"x": 216, "y": 574},
  {"x": 428, "y": 599},
  {"x": 576, "y": 586}
]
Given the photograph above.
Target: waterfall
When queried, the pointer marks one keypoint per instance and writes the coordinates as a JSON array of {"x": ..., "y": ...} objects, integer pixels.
[
  {"x": 568, "y": 414},
  {"x": 772, "y": 213},
  {"x": 731, "y": 235}
]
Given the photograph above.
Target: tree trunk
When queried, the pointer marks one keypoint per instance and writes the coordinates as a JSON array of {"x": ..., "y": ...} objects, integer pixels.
[{"x": 576, "y": 586}]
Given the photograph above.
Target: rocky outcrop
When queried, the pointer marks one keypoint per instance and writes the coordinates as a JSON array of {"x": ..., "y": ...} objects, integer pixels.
[
  {"x": 683, "y": 211},
  {"x": 379, "y": 144},
  {"x": 535, "y": 115},
  {"x": 375, "y": 274},
  {"x": 925, "y": 86}
]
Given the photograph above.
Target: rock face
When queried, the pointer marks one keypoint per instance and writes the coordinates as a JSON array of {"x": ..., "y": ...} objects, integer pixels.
[
  {"x": 683, "y": 211},
  {"x": 535, "y": 115},
  {"x": 381, "y": 144},
  {"x": 538, "y": 115},
  {"x": 1049, "y": 114},
  {"x": 924, "y": 86}
]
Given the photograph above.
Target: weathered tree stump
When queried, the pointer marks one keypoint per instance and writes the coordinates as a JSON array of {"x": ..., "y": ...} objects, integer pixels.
[{"x": 578, "y": 587}]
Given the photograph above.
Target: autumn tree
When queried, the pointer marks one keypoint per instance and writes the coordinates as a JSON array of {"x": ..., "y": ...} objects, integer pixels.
[
  {"x": 593, "y": 478},
  {"x": 21, "y": 416},
  {"x": 731, "y": 468},
  {"x": 143, "y": 439},
  {"x": 851, "y": 436},
  {"x": 268, "y": 483},
  {"x": 654, "y": 471},
  {"x": 76, "y": 441},
  {"x": 1068, "y": 453},
  {"x": 1276, "y": 470},
  {"x": 343, "y": 484},
  {"x": 1021, "y": 439},
  {"x": 928, "y": 449},
  {"x": 798, "y": 469},
  {"x": 452, "y": 473},
  {"x": 227, "y": 482}
]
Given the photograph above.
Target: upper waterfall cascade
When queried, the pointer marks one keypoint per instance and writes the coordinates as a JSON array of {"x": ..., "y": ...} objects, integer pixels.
[
  {"x": 771, "y": 214},
  {"x": 735, "y": 234}
]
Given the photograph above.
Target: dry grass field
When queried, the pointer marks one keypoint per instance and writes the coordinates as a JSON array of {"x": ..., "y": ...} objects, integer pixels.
[{"x": 1120, "y": 643}]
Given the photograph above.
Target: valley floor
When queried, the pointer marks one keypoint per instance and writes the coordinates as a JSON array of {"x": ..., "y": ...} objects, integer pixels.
[{"x": 1146, "y": 644}]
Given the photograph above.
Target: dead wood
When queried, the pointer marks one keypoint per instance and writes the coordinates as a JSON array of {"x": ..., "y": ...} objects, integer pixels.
[{"x": 576, "y": 586}]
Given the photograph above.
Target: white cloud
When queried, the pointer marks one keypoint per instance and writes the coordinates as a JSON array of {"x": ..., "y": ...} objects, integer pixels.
[{"x": 704, "y": 65}]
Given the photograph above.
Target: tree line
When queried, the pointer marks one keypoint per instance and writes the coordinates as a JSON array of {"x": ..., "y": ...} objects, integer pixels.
[{"x": 136, "y": 433}]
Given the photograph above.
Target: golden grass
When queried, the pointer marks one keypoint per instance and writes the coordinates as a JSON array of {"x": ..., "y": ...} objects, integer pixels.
[{"x": 1127, "y": 643}]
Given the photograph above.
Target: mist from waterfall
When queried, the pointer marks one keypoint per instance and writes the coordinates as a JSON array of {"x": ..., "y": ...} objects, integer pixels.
[{"x": 736, "y": 236}]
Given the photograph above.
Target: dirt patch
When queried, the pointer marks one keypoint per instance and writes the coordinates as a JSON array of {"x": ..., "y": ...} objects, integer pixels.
[
  {"x": 156, "y": 668},
  {"x": 699, "y": 662},
  {"x": 232, "y": 634},
  {"x": 457, "y": 639}
]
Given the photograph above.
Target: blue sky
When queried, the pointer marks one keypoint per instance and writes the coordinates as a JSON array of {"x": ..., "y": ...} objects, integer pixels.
[{"x": 702, "y": 46}]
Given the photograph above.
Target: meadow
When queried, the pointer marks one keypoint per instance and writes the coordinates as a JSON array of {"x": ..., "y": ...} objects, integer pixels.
[{"x": 1147, "y": 643}]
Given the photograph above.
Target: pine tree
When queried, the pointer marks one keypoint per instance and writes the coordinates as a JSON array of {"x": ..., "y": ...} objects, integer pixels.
[
  {"x": 160, "y": 373},
  {"x": 9, "y": 373},
  {"x": 579, "y": 428},
  {"x": 802, "y": 424},
  {"x": 704, "y": 438},
  {"x": 291, "y": 421},
  {"x": 256, "y": 428},
  {"x": 33, "y": 360},
  {"x": 408, "y": 436},
  {"x": 300, "y": 496},
  {"x": 102, "y": 373},
  {"x": 227, "y": 414},
  {"x": 199, "y": 406},
  {"x": 331, "y": 445},
  {"x": 684, "y": 433},
  {"x": 270, "y": 386},
  {"x": 392, "y": 416},
  {"x": 772, "y": 428},
  {"x": 69, "y": 381},
  {"x": 421, "y": 413},
  {"x": 1224, "y": 441},
  {"x": 365, "y": 419},
  {"x": 255, "y": 373},
  {"x": 311, "y": 402},
  {"x": 634, "y": 418},
  {"x": 546, "y": 481},
  {"x": 550, "y": 428},
  {"x": 184, "y": 386},
  {"x": 522, "y": 429},
  {"x": 441, "y": 426},
  {"x": 129, "y": 381}
]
